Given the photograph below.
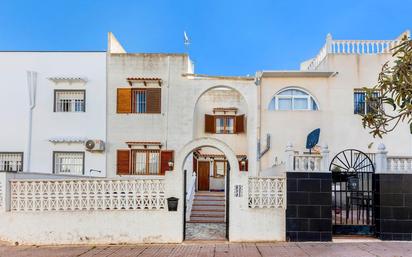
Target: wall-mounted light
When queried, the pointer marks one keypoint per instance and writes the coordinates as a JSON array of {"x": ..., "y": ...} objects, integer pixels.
[
  {"x": 243, "y": 164},
  {"x": 171, "y": 164}
]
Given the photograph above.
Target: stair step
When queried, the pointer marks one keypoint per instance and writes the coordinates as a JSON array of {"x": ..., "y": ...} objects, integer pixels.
[
  {"x": 207, "y": 219},
  {"x": 214, "y": 215},
  {"x": 201, "y": 202},
  {"x": 208, "y": 208},
  {"x": 206, "y": 193},
  {"x": 209, "y": 198}
]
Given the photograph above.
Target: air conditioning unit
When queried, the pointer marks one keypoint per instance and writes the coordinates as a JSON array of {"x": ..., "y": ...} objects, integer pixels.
[{"x": 93, "y": 145}]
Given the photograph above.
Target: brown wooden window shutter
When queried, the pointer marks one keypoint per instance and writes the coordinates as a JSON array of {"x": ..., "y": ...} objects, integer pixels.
[
  {"x": 124, "y": 100},
  {"x": 154, "y": 100},
  {"x": 123, "y": 162},
  {"x": 210, "y": 125},
  {"x": 165, "y": 157},
  {"x": 240, "y": 124}
]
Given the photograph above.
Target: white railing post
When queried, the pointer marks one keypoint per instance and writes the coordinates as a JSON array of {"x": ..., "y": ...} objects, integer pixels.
[
  {"x": 289, "y": 157},
  {"x": 329, "y": 43},
  {"x": 381, "y": 159},
  {"x": 325, "y": 158},
  {"x": 190, "y": 195}
]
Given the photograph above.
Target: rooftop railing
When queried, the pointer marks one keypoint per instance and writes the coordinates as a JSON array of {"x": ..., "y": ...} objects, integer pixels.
[{"x": 354, "y": 47}]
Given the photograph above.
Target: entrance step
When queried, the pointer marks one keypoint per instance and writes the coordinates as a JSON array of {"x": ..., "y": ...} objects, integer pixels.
[{"x": 208, "y": 207}]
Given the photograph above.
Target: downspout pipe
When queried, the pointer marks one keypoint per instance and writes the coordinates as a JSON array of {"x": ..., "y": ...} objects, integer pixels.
[{"x": 31, "y": 89}]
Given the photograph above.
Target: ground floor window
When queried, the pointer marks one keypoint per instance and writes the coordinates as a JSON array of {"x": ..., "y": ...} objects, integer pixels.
[
  {"x": 68, "y": 163},
  {"x": 11, "y": 161},
  {"x": 70, "y": 100},
  {"x": 146, "y": 162},
  {"x": 220, "y": 168}
]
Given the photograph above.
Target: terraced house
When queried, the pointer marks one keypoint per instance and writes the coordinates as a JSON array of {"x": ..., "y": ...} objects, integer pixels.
[{"x": 137, "y": 147}]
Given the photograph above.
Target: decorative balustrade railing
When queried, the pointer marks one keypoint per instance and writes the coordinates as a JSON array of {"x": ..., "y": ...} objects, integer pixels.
[
  {"x": 399, "y": 164},
  {"x": 267, "y": 192},
  {"x": 352, "y": 47},
  {"x": 90, "y": 194},
  {"x": 307, "y": 163},
  {"x": 362, "y": 46}
]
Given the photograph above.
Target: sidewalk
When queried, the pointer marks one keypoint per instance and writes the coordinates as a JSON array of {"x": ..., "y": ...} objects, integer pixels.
[{"x": 364, "y": 249}]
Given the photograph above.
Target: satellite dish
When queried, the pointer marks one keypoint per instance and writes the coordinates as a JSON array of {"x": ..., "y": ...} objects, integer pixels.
[{"x": 312, "y": 139}]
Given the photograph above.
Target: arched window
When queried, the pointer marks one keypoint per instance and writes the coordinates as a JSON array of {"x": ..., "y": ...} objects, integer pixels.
[{"x": 293, "y": 99}]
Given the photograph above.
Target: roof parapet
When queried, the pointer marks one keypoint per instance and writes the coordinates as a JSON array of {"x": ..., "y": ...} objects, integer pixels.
[{"x": 113, "y": 45}]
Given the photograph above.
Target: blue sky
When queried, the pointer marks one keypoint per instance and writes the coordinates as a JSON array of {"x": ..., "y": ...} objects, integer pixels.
[{"x": 228, "y": 37}]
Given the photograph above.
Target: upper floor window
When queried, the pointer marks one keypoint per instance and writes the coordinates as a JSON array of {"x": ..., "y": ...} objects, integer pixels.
[
  {"x": 69, "y": 100},
  {"x": 71, "y": 163},
  {"x": 225, "y": 124},
  {"x": 10, "y": 161},
  {"x": 361, "y": 105},
  {"x": 139, "y": 100},
  {"x": 293, "y": 99}
]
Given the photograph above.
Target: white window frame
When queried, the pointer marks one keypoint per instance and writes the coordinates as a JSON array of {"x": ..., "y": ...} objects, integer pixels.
[
  {"x": 11, "y": 161},
  {"x": 57, "y": 167},
  {"x": 309, "y": 99},
  {"x": 58, "y": 104}
]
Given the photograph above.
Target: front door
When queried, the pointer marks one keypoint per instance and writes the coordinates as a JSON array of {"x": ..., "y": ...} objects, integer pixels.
[{"x": 203, "y": 174}]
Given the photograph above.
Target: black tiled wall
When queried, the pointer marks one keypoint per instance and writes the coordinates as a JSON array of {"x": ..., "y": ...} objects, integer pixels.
[
  {"x": 393, "y": 206},
  {"x": 308, "y": 213}
]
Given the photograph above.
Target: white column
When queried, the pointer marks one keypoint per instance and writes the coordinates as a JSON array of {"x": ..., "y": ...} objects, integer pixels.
[
  {"x": 289, "y": 157},
  {"x": 381, "y": 159},
  {"x": 325, "y": 159}
]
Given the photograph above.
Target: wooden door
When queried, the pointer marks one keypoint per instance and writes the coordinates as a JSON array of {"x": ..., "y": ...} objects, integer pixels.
[{"x": 203, "y": 175}]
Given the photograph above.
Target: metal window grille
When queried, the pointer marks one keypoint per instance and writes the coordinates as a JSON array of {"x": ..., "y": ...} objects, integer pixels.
[
  {"x": 69, "y": 163},
  {"x": 139, "y": 101},
  {"x": 70, "y": 101},
  {"x": 361, "y": 106},
  {"x": 146, "y": 162},
  {"x": 11, "y": 162}
]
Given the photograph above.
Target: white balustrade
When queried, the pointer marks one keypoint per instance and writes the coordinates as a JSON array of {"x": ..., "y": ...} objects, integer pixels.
[
  {"x": 87, "y": 194},
  {"x": 267, "y": 192},
  {"x": 307, "y": 163},
  {"x": 399, "y": 164},
  {"x": 191, "y": 188},
  {"x": 352, "y": 47}
]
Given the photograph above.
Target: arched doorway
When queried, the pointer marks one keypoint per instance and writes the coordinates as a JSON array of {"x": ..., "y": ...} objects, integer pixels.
[
  {"x": 233, "y": 169},
  {"x": 353, "y": 191}
]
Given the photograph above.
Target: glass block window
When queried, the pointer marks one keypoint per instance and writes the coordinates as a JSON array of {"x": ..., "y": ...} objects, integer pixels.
[
  {"x": 70, "y": 163},
  {"x": 69, "y": 101},
  {"x": 11, "y": 161},
  {"x": 293, "y": 99}
]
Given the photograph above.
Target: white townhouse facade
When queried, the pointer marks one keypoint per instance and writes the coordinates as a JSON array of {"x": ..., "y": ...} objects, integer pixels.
[
  {"x": 52, "y": 103},
  {"x": 230, "y": 149}
]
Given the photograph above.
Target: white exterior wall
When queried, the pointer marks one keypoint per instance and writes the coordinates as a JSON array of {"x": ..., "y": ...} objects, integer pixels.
[
  {"x": 340, "y": 127},
  {"x": 46, "y": 123},
  {"x": 174, "y": 127}
]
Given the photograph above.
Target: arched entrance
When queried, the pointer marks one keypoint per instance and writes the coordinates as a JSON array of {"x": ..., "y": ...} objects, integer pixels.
[
  {"x": 353, "y": 193},
  {"x": 183, "y": 155}
]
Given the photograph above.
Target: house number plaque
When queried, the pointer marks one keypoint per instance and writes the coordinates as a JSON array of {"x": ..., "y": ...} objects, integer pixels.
[{"x": 238, "y": 190}]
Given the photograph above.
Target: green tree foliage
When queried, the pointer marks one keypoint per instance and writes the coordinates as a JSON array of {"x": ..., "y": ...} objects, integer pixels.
[{"x": 394, "y": 101}]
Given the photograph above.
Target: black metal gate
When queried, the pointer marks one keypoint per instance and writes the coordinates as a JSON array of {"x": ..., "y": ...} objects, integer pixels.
[{"x": 352, "y": 193}]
